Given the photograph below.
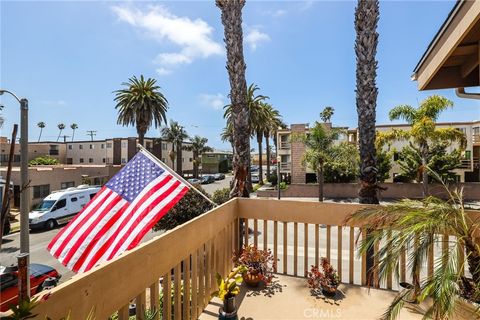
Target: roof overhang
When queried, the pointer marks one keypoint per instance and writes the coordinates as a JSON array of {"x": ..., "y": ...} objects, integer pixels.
[{"x": 452, "y": 58}]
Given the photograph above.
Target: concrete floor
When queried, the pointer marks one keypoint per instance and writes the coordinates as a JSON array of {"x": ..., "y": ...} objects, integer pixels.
[{"x": 290, "y": 298}]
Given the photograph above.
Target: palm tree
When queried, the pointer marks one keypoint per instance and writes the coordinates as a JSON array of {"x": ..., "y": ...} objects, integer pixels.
[
  {"x": 327, "y": 114},
  {"x": 366, "y": 19},
  {"x": 198, "y": 147},
  {"x": 227, "y": 135},
  {"x": 60, "y": 127},
  {"x": 175, "y": 134},
  {"x": 140, "y": 104},
  {"x": 319, "y": 144},
  {"x": 423, "y": 132},
  {"x": 41, "y": 125},
  {"x": 2, "y": 119},
  {"x": 74, "y": 127},
  {"x": 418, "y": 226},
  {"x": 274, "y": 120},
  {"x": 232, "y": 23}
]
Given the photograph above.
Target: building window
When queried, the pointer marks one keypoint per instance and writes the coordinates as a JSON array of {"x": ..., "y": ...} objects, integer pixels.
[
  {"x": 104, "y": 160},
  {"x": 149, "y": 145},
  {"x": 108, "y": 160},
  {"x": 109, "y": 144},
  {"x": 124, "y": 144},
  {"x": 102, "y": 146},
  {"x": 164, "y": 146},
  {"x": 92, "y": 146},
  {"x": 468, "y": 154},
  {"x": 65, "y": 185},
  {"x": 191, "y": 159},
  {"x": 81, "y": 160},
  {"x": 90, "y": 160},
  {"x": 69, "y": 160},
  {"x": 123, "y": 160},
  {"x": 41, "y": 191},
  {"x": 69, "y": 147},
  {"x": 80, "y": 146}
]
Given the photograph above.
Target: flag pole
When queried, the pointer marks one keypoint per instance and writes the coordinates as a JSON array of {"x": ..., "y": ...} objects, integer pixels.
[{"x": 176, "y": 175}]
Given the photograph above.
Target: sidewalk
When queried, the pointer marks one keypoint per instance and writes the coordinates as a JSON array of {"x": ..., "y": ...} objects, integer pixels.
[{"x": 15, "y": 223}]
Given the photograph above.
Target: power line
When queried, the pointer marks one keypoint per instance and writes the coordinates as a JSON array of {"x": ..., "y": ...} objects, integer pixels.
[{"x": 91, "y": 133}]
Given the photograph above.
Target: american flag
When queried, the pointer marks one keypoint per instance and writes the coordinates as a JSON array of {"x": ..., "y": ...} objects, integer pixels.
[{"x": 118, "y": 217}]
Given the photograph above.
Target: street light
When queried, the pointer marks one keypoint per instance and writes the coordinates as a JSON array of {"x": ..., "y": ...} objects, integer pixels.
[{"x": 23, "y": 258}]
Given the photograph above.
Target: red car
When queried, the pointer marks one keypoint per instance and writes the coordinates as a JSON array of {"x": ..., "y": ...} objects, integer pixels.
[{"x": 9, "y": 280}]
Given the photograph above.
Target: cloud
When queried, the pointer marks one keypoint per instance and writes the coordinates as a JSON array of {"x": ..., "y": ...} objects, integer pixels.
[
  {"x": 214, "y": 101},
  {"x": 192, "y": 36},
  {"x": 58, "y": 103},
  {"x": 255, "y": 37},
  {"x": 307, "y": 5},
  {"x": 279, "y": 13}
]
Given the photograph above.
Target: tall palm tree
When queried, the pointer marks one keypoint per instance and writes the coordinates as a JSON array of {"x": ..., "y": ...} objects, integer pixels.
[
  {"x": 74, "y": 127},
  {"x": 274, "y": 120},
  {"x": 60, "y": 127},
  {"x": 366, "y": 19},
  {"x": 41, "y": 125},
  {"x": 175, "y": 134},
  {"x": 2, "y": 119},
  {"x": 140, "y": 104},
  {"x": 423, "y": 132},
  {"x": 232, "y": 23},
  {"x": 198, "y": 147},
  {"x": 227, "y": 135},
  {"x": 327, "y": 114}
]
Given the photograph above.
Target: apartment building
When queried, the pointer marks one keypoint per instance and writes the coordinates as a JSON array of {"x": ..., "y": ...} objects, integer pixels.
[
  {"x": 291, "y": 151},
  {"x": 115, "y": 151}
]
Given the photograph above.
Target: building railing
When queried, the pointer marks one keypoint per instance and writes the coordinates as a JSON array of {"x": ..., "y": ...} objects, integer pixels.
[
  {"x": 465, "y": 164},
  {"x": 285, "y": 145},
  {"x": 476, "y": 138},
  {"x": 186, "y": 259},
  {"x": 285, "y": 166}
]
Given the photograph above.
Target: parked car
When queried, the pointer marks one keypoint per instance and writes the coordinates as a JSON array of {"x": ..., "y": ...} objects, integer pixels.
[
  {"x": 253, "y": 168},
  {"x": 208, "y": 179},
  {"x": 61, "y": 206},
  {"x": 41, "y": 277},
  {"x": 255, "y": 178},
  {"x": 219, "y": 176},
  {"x": 195, "y": 181}
]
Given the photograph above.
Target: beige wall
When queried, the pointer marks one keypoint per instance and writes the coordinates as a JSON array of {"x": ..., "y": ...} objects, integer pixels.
[
  {"x": 91, "y": 152},
  {"x": 52, "y": 149}
]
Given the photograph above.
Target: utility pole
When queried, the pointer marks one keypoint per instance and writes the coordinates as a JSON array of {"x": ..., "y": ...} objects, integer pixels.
[
  {"x": 91, "y": 133},
  {"x": 65, "y": 138}
]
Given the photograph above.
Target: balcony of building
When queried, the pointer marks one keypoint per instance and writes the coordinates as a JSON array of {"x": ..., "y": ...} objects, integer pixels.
[{"x": 186, "y": 259}]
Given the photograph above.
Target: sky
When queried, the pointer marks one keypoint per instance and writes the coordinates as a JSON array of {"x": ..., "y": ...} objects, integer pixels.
[{"x": 68, "y": 57}]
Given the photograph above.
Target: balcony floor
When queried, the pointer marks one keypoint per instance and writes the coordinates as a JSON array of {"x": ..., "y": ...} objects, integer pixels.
[{"x": 290, "y": 298}]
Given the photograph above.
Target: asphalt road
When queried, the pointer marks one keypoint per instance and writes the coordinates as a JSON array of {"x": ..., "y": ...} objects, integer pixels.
[{"x": 219, "y": 184}]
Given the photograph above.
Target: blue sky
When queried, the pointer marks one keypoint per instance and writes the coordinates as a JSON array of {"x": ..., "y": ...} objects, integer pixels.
[{"x": 67, "y": 57}]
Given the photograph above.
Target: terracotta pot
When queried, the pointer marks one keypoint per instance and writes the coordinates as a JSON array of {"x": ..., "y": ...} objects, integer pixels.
[
  {"x": 329, "y": 290},
  {"x": 251, "y": 278}
]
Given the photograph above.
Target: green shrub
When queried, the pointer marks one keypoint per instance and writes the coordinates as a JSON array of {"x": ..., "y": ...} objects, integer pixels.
[
  {"x": 42, "y": 161},
  {"x": 273, "y": 179},
  {"x": 283, "y": 185},
  {"x": 221, "y": 195},
  {"x": 190, "y": 206}
]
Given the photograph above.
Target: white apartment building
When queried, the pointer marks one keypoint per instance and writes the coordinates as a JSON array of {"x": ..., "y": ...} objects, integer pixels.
[{"x": 291, "y": 152}]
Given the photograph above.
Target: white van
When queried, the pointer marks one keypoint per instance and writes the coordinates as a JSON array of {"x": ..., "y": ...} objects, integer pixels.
[{"x": 61, "y": 206}]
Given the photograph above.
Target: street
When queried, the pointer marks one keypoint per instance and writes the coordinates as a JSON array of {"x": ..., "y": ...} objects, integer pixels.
[{"x": 218, "y": 184}]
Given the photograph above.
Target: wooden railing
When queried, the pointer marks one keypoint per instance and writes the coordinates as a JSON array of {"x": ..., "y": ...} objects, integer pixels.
[
  {"x": 285, "y": 166},
  {"x": 181, "y": 264},
  {"x": 285, "y": 145}
]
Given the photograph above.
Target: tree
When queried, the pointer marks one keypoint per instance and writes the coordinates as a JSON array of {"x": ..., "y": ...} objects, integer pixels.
[
  {"x": 366, "y": 19},
  {"x": 74, "y": 127},
  {"x": 175, "y": 134},
  {"x": 227, "y": 135},
  {"x": 342, "y": 165},
  {"x": 274, "y": 121},
  {"x": 2, "y": 119},
  {"x": 319, "y": 144},
  {"x": 42, "y": 161},
  {"x": 417, "y": 226},
  {"x": 41, "y": 125},
  {"x": 327, "y": 114},
  {"x": 140, "y": 104},
  {"x": 60, "y": 127},
  {"x": 423, "y": 132},
  {"x": 384, "y": 165},
  {"x": 232, "y": 23},
  {"x": 198, "y": 147},
  {"x": 439, "y": 161}
]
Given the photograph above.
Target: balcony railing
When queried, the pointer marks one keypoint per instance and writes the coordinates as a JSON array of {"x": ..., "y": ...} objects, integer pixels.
[
  {"x": 285, "y": 145},
  {"x": 476, "y": 138},
  {"x": 187, "y": 258},
  {"x": 285, "y": 166}
]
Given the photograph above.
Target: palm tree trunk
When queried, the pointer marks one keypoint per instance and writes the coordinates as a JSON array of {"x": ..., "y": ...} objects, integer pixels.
[
  {"x": 366, "y": 19},
  {"x": 267, "y": 145},
  {"x": 73, "y": 134},
  {"x": 141, "y": 136},
  {"x": 40, "y": 135},
  {"x": 232, "y": 23},
  {"x": 424, "y": 154},
  {"x": 179, "y": 158},
  {"x": 195, "y": 164},
  {"x": 59, "y": 134},
  {"x": 320, "y": 181},
  {"x": 260, "y": 160}
]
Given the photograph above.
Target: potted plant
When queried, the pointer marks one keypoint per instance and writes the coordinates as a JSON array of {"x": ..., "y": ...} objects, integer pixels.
[
  {"x": 327, "y": 280},
  {"x": 228, "y": 288},
  {"x": 260, "y": 265}
]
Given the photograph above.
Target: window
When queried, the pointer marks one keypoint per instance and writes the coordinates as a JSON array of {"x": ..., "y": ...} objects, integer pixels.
[
  {"x": 149, "y": 145},
  {"x": 8, "y": 280},
  {"x": 80, "y": 146},
  {"x": 90, "y": 160},
  {"x": 60, "y": 204},
  {"x": 102, "y": 146},
  {"x": 69, "y": 147},
  {"x": 92, "y": 146},
  {"x": 164, "y": 146},
  {"x": 123, "y": 160},
  {"x": 191, "y": 159},
  {"x": 108, "y": 160},
  {"x": 41, "y": 191},
  {"x": 65, "y": 185},
  {"x": 103, "y": 160},
  {"x": 468, "y": 154},
  {"x": 109, "y": 144},
  {"x": 124, "y": 144},
  {"x": 81, "y": 160},
  {"x": 69, "y": 160},
  {"x": 74, "y": 199}
]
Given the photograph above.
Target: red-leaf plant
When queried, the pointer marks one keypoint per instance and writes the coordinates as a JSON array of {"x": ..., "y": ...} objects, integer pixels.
[
  {"x": 257, "y": 261},
  {"x": 329, "y": 276}
]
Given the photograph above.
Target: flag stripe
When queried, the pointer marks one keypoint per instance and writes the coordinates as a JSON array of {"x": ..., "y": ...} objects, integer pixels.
[
  {"x": 120, "y": 215},
  {"x": 109, "y": 237}
]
